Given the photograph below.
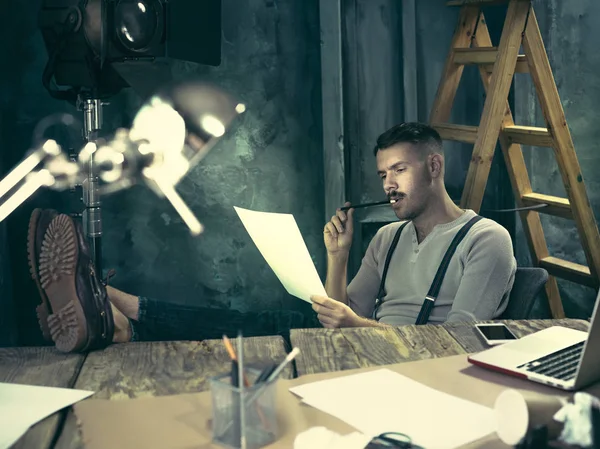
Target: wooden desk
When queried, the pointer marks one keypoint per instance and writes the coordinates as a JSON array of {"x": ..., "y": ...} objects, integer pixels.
[
  {"x": 159, "y": 368},
  {"x": 327, "y": 350},
  {"x": 45, "y": 367},
  {"x": 124, "y": 371}
]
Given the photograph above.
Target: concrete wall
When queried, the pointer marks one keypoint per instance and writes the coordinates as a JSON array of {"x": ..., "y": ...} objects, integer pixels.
[
  {"x": 8, "y": 327},
  {"x": 570, "y": 33},
  {"x": 271, "y": 162},
  {"x": 23, "y": 102}
]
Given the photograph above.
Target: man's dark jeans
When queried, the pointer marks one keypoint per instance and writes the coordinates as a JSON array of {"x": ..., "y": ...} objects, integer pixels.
[{"x": 163, "y": 321}]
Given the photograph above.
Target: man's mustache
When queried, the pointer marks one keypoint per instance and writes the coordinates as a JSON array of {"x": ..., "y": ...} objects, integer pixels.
[{"x": 394, "y": 194}]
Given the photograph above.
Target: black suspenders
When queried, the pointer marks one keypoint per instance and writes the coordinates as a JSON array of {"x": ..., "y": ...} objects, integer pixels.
[
  {"x": 434, "y": 290},
  {"x": 381, "y": 291}
]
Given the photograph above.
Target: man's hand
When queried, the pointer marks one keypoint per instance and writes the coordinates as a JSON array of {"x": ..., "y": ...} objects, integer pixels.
[
  {"x": 338, "y": 232},
  {"x": 333, "y": 314}
]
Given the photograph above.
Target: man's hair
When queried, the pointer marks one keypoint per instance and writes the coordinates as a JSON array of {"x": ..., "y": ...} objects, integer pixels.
[{"x": 423, "y": 137}]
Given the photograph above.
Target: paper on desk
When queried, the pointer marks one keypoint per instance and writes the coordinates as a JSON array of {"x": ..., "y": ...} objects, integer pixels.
[
  {"x": 22, "y": 406},
  {"x": 319, "y": 437},
  {"x": 278, "y": 239},
  {"x": 384, "y": 401}
]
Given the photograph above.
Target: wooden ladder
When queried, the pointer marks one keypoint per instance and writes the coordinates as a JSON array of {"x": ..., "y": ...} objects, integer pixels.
[{"x": 471, "y": 44}]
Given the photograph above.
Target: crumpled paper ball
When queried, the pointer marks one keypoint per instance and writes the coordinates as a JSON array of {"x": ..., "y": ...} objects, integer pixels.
[{"x": 577, "y": 419}]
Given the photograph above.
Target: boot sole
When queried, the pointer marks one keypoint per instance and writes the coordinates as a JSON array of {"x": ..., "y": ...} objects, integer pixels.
[
  {"x": 43, "y": 309},
  {"x": 58, "y": 267}
]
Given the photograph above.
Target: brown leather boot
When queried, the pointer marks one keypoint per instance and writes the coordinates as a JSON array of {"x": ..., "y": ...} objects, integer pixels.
[
  {"x": 38, "y": 224},
  {"x": 81, "y": 318}
]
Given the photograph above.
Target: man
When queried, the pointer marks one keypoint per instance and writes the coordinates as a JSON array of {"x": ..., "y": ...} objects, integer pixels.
[
  {"x": 478, "y": 278},
  {"x": 79, "y": 313}
]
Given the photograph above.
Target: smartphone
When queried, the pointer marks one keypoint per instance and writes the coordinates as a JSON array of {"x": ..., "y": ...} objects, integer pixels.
[{"x": 495, "y": 333}]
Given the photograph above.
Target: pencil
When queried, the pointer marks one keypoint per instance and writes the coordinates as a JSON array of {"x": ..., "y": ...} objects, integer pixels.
[
  {"x": 358, "y": 206},
  {"x": 229, "y": 348},
  {"x": 241, "y": 373},
  {"x": 233, "y": 356}
]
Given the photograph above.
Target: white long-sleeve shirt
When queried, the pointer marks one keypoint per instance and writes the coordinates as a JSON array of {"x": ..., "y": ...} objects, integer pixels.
[{"x": 476, "y": 286}]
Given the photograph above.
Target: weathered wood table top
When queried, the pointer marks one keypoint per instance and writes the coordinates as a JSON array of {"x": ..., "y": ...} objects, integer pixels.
[
  {"x": 132, "y": 370},
  {"x": 326, "y": 350},
  {"x": 124, "y": 371}
]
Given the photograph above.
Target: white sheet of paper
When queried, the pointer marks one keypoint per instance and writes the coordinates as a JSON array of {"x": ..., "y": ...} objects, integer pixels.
[
  {"x": 384, "y": 401},
  {"x": 279, "y": 240},
  {"x": 22, "y": 406},
  {"x": 320, "y": 437}
]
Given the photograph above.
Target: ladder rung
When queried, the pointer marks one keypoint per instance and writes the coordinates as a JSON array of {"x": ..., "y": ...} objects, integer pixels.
[
  {"x": 525, "y": 135},
  {"x": 528, "y": 135},
  {"x": 570, "y": 271},
  {"x": 557, "y": 206},
  {"x": 486, "y": 56},
  {"x": 458, "y": 133},
  {"x": 473, "y": 2}
]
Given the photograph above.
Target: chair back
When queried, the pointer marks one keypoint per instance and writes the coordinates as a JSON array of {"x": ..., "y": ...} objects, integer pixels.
[{"x": 528, "y": 282}]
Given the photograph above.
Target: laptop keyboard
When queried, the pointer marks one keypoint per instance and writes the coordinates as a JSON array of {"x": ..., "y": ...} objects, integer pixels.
[{"x": 560, "y": 364}]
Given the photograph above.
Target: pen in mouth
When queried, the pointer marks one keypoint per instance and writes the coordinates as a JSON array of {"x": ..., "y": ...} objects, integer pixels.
[{"x": 377, "y": 203}]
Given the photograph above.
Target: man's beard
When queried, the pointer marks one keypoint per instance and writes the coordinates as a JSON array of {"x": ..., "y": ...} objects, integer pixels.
[
  {"x": 406, "y": 214},
  {"x": 411, "y": 208}
]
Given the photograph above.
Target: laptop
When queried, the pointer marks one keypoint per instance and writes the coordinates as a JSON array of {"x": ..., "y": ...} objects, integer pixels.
[{"x": 563, "y": 358}]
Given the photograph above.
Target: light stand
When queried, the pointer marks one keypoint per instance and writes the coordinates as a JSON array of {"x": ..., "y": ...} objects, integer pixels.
[
  {"x": 92, "y": 216},
  {"x": 95, "y": 49}
]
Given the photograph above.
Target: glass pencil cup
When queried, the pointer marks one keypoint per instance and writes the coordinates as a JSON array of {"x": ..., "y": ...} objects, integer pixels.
[{"x": 253, "y": 419}]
